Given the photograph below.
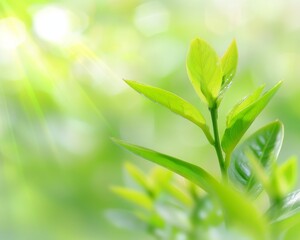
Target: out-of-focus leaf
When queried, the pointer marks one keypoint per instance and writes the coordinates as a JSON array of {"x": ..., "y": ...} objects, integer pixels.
[
  {"x": 240, "y": 213},
  {"x": 173, "y": 215},
  {"x": 286, "y": 213},
  {"x": 160, "y": 175},
  {"x": 249, "y": 219},
  {"x": 241, "y": 121},
  {"x": 155, "y": 221},
  {"x": 287, "y": 207},
  {"x": 284, "y": 178},
  {"x": 180, "y": 195},
  {"x": 138, "y": 176},
  {"x": 175, "y": 103},
  {"x": 292, "y": 233},
  {"x": 229, "y": 64},
  {"x": 204, "y": 70},
  {"x": 207, "y": 212},
  {"x": 125, "y": 219},
  {"x": 138, "y": 198},
  {"x": 265, "y": 145},
  {"x": 160, "y": 179}
]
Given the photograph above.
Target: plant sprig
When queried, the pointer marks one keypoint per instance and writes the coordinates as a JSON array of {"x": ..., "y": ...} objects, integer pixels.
[{"x": 249, "y": 166}]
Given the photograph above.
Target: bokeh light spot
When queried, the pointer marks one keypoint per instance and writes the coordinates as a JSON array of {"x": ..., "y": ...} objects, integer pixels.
[
  {"x": 52, "y": 23},
  {"x": 12, "y": 33}
]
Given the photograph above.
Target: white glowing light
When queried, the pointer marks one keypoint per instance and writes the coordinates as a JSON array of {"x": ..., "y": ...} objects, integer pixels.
[
  {"x": 12, "y": 33},
  {"x": 53, "y": 23}
]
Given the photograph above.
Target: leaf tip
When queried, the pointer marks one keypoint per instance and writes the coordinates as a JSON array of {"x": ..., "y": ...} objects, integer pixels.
[
  {"x": 199, "y": 41},
  {"x": 116, "y": 141},
  {"x": 129, "y": 82},
  {"x": 279, "y": 83},
  {"x": 234, "y": 44}
]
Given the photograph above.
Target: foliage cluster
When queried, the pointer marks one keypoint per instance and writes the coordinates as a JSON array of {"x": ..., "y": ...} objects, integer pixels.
[{"x": 229, "y": 208}]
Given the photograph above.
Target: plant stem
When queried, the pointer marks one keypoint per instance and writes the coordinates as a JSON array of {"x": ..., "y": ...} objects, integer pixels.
[
  {"x": 217, "y": 144},
  {"x": 227, "y": 160}
]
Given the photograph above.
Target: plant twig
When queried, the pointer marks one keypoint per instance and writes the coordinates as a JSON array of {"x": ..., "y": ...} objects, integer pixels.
[{"x": 217, "y": 144}]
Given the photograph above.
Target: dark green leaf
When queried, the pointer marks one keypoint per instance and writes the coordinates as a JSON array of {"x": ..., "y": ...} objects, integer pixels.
[
  {"x": 204, "y": 70},
  {"x": 265, "y": 145},
  {"x": 244, "y": 115},
  {"x": 175, "y": 103}
]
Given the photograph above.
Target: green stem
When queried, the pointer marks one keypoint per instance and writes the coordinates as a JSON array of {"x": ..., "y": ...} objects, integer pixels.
[
  {"x": 217, "y": 144},
  {"x": 227, "y": 160}
]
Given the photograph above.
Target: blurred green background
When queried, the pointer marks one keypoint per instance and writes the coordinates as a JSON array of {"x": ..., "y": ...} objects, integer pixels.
[{"x": 62, "y": 97}]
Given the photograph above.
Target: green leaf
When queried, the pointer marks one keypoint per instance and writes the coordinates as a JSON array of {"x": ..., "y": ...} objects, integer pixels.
[
  {"x": 138, "y": 176},
  {"x": 160, "y": 179},
  {"x": 265, "y": 146},
  {"x": 243, "y": 116},
  {"x": 240, "y": 213},
  {"x": 285, "y": 214},
  {"x": 293, "y": 232},
  {"x": 231, "y": 117},
  {"x": 175, "y": 103},
  {"x": 173, "y": 215},
  {"x": 138, "y": 198},
  {"x": 187, "y": 170},
  {"x": 180, "y": 195},
  {"x": 284, "y": 176},
  {"x": 249, "y": 220},
  {"x": 204, "y": 70},
  {"x": 229, "y": 64}
]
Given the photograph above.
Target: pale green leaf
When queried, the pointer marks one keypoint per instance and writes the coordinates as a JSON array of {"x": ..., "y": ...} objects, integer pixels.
[
  {"x": 293, "y": 232},
  {"x": 161, "y": 176},
  {"x": 249, "y": 220},
  {"x": 180, "y": 195},
  {"x": 139, "y": 177},
  {"x": 138, "y": 198},
  {"x": 173, "y": 215},
  {"x": 287, "y": 207},
  {"x": 204, "y": 70},
  {"x": 175, "y": 103},
  {"x": 243, "y": 119},
  {"x": 160, "y": 179},
  {"x": 285, "y": 214},
  {"x": 240, "y": 213},
  {"x": 265, "y": 145},
  {"x": 285, "y": 176},
  {"x": 229, "y": 64}
]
